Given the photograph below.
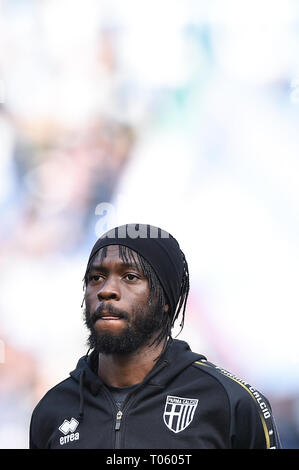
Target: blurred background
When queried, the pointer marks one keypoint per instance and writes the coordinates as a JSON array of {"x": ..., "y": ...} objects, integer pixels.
[{"x": 181, "y": 114}]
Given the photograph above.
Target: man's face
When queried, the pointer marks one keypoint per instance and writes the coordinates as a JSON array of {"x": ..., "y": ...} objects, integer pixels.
[{"x": 118, "y": 313}]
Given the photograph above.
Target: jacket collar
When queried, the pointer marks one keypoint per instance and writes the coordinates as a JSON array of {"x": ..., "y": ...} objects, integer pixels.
[{"x": 177, "y": 357}]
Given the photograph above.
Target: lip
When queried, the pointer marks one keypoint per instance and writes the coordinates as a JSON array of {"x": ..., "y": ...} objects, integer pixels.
[
  {"x": 109, "y": 317},
  {"x": 108, "y": 314}
]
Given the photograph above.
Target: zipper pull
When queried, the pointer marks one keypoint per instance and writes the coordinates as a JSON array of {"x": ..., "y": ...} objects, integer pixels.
[{"x": 118, "y": 420}]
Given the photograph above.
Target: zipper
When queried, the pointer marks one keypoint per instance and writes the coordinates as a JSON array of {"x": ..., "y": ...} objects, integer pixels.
[{"x": 119, "y": 416}]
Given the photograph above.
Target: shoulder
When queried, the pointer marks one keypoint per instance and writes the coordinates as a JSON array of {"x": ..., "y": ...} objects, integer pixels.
[
  {"x": 235, "y": 387},
  {"x": 51, "y": 402},
  {"x": 49, "y": 411},
  {"x": 60, "y": 386},
  {"x": 249, "y": 407}
]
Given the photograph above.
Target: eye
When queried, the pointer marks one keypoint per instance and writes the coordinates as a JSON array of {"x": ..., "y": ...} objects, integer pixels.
[
  {"x": 131, "y": 277},
  {"x": 95, "y": 277}
]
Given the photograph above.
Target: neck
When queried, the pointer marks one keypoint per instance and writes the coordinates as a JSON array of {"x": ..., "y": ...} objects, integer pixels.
[{"x": 121, "y": 370}]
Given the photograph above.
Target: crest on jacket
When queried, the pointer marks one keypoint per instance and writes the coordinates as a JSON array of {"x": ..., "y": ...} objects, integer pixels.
[{"x": 179, "y": 412}]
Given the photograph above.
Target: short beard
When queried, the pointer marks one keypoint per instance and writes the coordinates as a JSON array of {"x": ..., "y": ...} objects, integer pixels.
[{"x": 139, "y": 332}]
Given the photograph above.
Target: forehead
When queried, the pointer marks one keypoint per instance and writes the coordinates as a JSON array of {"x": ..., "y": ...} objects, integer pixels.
[
  {"x": 110, "y": 251},
  {"x": 116, "y": 254}
]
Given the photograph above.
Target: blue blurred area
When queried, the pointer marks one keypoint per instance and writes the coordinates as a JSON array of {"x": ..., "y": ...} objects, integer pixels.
[{"x": 179, "y": 114}]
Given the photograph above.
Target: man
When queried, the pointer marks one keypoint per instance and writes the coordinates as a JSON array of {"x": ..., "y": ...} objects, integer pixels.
[{"x": 139, "y": 388}]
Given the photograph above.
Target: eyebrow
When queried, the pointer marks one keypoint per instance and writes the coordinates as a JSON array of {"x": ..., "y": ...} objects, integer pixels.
[{"x": 100, "y": 267}]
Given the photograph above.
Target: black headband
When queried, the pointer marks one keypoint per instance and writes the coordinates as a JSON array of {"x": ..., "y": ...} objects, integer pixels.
[{"x": 159, "y": 249}]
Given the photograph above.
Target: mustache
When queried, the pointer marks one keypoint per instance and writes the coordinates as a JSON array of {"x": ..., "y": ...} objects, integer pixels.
[{"x": 108, "y": 309}]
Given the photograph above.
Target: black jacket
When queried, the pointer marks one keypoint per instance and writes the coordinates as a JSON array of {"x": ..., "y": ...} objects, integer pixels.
[{"x": 185, "y": 402}]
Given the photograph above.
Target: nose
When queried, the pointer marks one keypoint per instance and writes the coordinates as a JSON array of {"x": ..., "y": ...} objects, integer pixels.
[{"x": 109, "y": 290}]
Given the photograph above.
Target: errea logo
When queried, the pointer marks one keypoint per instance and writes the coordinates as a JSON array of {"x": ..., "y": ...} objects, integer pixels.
[{"x": 66, "y": 428}]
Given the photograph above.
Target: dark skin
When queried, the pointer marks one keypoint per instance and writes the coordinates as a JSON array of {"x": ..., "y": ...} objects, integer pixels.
[{"x": 124, "y": 287}]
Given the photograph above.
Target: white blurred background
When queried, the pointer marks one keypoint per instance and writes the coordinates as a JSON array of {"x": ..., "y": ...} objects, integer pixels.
[{"x": 181, "y": 114}]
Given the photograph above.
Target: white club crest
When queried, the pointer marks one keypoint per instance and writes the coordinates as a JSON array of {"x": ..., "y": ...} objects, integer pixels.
[{"x": 179, "y": 412}]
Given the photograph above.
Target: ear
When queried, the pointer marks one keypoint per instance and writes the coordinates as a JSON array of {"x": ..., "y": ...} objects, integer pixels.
[{"x": 166, "y": 308}]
